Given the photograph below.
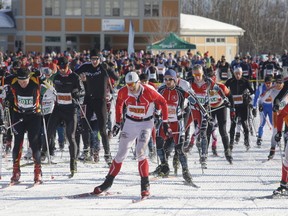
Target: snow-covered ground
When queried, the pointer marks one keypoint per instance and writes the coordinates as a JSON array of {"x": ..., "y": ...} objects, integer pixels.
[{"x": 224, "y": 189}]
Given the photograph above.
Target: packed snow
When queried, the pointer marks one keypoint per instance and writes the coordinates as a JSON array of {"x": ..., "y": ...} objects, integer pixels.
[{"x": 224, "y": 189}]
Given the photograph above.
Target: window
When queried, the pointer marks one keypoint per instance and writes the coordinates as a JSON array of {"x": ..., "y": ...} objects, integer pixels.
[
  {"x": 73, "y": 7},
  {"x": 130, "y": 8},
  {"x": 52, "y": 7},
  {"x": 92, "y": 8},
  {"x": 151, "y": 8},
  {"x": 218, "y": 40},
  {"x": 49, "y": 49},
  {"x": 112, "y": 8},
  {"x": 52, "y": 39},
  {"x": 72, "y": 39}
]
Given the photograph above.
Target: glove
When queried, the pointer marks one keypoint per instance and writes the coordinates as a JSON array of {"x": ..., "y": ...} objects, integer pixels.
[
  {"x": 226, "y": 102},
  {"x": 167, "y": 129},
  {"x": 260, "y": 108},
  {"x": 278, "y": 136},
  {"x": 116, "y": 129},
  {"x": 75, "y": 95},
  {"x": 254, "y": 112},
  {"x": 276, "y": 106},
  {"x": 232, "y": 114}
]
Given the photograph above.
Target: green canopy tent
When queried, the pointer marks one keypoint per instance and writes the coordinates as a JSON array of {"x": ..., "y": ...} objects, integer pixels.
[{"x": 172, "y": 42}]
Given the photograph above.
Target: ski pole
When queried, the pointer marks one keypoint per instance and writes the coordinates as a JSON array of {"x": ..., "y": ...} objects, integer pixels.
[
  {"x": 1, "y": 151},
  {"x": 47, "y": 145}
]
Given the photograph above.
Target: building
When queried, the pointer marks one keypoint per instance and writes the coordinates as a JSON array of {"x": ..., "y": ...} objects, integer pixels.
[{"x": 46, "y": 25}]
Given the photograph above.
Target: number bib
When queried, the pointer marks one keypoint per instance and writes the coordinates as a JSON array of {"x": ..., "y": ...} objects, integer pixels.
[
  {"x": 64, "y": 98},
  {"x": 137, "y": 111},
  {"x": 238, "y": 99},
  {"x": 25, "y": 102}
]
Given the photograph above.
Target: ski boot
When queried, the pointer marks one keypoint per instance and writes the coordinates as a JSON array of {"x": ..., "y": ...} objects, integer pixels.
[
  {"x": 176, "y": 163},
  {"x": 259, "y": 142},
  {"x": 164, "y": 171},
  {"x": 84, "y": 156},
  {"x": 187, "y": 176},
  {"x": 108, "y": 159},
  {"x": 95, "y": 155},
  {"x": 61, "y": 146},
  {"x": 16, "y": 174},
  {"x": 282, "y": 190},
  {"x": 28, "y": 155},
  {"x": 105, "y": 186},
  {"x": 37, "y": 174},
  {"x": 214, "y": 151},
  {"x": 203, "y": 161},
  {"x": 73, "y": 167},
  {"x": 272, "y": 153},
  {"x": 237, "y": 137},
  {"x": 228, "y": 156},
  {"x": 247, "y": 144},
  {"x": 145, "y": 187}
]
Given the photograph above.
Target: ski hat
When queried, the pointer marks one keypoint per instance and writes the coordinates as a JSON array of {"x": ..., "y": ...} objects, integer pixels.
[
  {"x": 131, "y": 77},
  {"x": 268, "y": 79},
  {"x": 237, "y": 69},
  {"x": 279, "y": 78},
  {"x": 23, "y": 73},
  {"x": 62, "y": 62},
  {"x": 171, "y": 73}
]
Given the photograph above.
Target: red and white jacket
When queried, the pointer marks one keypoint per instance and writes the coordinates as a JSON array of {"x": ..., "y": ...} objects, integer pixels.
[{"x": 140, "y": 106}]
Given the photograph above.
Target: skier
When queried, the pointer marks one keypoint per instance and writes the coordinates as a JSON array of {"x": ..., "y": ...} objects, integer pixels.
[
  {"x": 26, "y": 117},
  {"x": 265, "y": 107},
  {"x": 240, "y": 89},
  {"x": 97, "y": 74},
  {"x": 139, "y": 100}
]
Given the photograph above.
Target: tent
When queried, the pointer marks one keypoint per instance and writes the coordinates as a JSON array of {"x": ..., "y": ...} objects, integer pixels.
[{"x": 172, "y": 42}]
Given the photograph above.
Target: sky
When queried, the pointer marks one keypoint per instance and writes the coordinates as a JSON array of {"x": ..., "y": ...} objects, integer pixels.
[{"x": 224, "y": 189}]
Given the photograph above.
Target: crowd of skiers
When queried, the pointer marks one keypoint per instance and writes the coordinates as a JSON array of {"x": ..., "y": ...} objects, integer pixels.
[{"x": 164, "y": 103}]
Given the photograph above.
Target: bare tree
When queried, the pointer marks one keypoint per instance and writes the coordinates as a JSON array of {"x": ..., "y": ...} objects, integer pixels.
[{"x": 264, "y": 21}]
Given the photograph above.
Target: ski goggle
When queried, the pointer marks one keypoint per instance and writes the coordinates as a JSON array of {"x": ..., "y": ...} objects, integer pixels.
[{"x": 196, "y": 75}]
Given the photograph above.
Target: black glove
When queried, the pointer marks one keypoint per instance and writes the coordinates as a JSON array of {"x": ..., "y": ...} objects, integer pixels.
[
  {"x": 260, "y": 108},
  {"x": 276, "y": 106},
  {"x": 227, "y": 103},
  {"x": 254, "y": 112},
  {"x": 278, "y": 136},
  {"x": 75, "y": 94},
  {"x": 116, "y": 129},
  {"x": 167, "y": 129}
]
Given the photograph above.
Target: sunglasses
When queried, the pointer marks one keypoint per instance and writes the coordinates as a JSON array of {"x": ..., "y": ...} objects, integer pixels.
[
  {"x": 63, "y": 66},
  {"x": 279, "y": 82},
  {"x": 196, "y": 75},
  {"x": 168, "y": 79},
  {"x": 94, "y": 59},
  {"x": 131, "y": 84}
]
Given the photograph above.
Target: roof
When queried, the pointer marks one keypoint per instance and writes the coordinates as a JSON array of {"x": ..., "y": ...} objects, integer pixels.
[
  {"x": 197, "y": 25},
  {"x": 7, "y": 19},
  {"x": 172, "y": 42}
]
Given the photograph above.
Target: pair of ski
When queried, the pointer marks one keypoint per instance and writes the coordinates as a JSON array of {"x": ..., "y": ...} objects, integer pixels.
[
  {"x": 11, "y": 184},
  {"x": 272, "y": 196},
  {"x": 155, "y": 177},
  {"x": 104, "y": 194}
]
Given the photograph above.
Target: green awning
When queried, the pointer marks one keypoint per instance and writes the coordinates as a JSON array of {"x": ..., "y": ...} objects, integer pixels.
[{"x": 172, "y": 42}]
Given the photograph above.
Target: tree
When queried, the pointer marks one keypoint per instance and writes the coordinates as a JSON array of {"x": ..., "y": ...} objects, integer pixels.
[{"x": 265, "y": 21}]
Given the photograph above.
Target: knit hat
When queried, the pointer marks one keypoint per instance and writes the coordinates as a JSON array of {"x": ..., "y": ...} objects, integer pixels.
[
  {"x": 279, "y": 78},
  {"x": 171, "y": 73},
  {"x": 268, "y": 79}
]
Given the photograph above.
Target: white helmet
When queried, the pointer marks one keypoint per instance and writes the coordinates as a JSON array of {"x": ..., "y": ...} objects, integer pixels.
[{"x": 131, "y": 77}]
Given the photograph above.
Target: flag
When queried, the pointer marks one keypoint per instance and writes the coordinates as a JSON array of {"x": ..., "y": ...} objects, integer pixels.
[{"x": 131, "y": 39}]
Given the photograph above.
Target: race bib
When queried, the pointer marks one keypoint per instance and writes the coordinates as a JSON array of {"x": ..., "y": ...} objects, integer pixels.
[
  {"x": 25, "y": 102},
  {"x": 138, "y": 111},
  {"x": 64, "y": 98},
  {"x": 238, "y": 99}
]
